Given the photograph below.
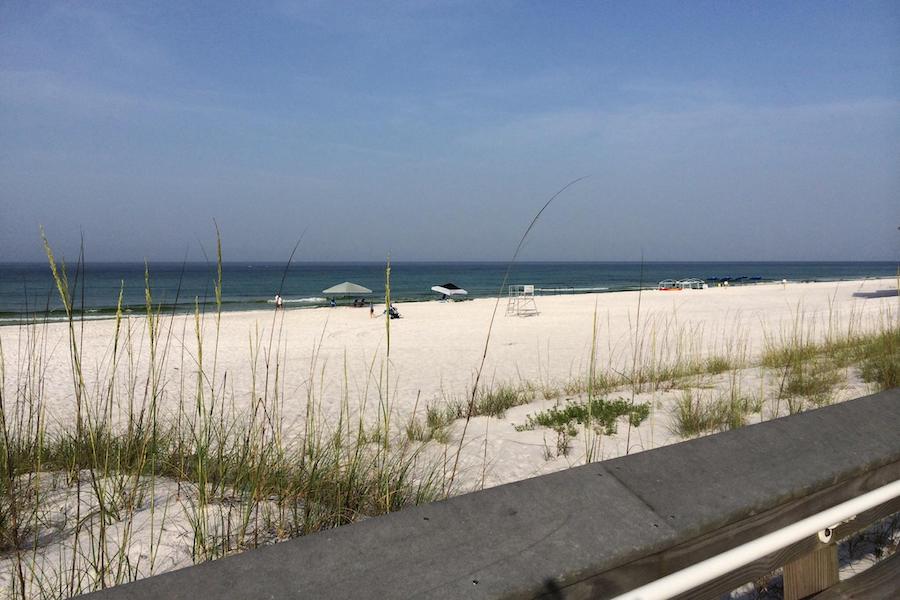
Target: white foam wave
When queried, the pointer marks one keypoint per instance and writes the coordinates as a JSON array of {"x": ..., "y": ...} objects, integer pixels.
[
  {"x": 52, "y": 319},
  {"x": 310, "y": 300},
  {"x": 572, "y": 289}
]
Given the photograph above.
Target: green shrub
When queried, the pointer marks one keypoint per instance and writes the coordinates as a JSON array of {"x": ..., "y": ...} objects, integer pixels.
[{"x": 599, "y": 413}]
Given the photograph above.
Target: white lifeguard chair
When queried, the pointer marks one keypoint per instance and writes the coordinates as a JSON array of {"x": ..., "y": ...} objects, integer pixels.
[{"x": 521, "y": 301}]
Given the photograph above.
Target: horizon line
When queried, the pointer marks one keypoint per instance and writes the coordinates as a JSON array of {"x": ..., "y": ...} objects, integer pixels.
[{"x": 452, "y": 262}]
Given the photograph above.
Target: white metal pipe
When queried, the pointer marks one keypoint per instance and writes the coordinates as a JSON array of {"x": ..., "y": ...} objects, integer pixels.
[{"x": 707, "y": 570}]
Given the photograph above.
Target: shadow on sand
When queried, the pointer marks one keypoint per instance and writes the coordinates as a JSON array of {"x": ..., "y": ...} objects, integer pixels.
[{"x": 876, "y": 294}]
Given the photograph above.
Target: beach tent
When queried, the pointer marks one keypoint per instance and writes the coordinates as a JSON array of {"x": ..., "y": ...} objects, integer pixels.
[
  {"x": 449, "y": 289},
  {"x": 347, "y": 289},
  {"x": 691, "y": 284}
]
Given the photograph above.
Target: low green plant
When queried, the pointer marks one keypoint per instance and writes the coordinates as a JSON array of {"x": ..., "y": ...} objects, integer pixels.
[{"x": 599, "y": 413}]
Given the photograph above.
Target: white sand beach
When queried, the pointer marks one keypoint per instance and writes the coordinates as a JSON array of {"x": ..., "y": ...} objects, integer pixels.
[
  {"x": 326, "y": 358},
  {"x": 436, "y": 347}
]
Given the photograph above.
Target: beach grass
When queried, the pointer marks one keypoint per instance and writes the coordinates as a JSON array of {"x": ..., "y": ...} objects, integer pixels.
[
  {"x": 879, "y": 358},
  {"x": 494, "y": 402},
  {"x": 490, "y": 402},
  {"x": 222, "y": 466},
  {"x": 808, "y": 374},
  {"x": 698, "y": 412}
]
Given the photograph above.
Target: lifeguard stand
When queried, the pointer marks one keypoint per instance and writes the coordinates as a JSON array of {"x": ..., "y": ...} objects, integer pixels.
[{"x": 521, "y": 301}]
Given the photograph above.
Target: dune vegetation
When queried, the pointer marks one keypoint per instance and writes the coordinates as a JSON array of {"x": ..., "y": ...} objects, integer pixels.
[{"x": 132, "y": 487}]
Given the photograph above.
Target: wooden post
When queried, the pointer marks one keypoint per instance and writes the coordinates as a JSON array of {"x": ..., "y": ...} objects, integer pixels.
[{"x": 811, "y": 573}]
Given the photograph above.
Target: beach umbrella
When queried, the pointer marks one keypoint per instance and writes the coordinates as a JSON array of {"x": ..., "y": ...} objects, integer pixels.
[
  {"x": 449, "y": 289},
  {"x": 347, "y": 289}
]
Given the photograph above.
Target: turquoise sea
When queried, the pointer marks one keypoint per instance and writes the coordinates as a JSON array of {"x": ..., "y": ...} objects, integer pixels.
[{"x": 28, "y": 289}]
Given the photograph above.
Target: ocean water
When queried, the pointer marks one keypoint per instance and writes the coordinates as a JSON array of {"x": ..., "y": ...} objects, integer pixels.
[{"x": 28, "y": 289}]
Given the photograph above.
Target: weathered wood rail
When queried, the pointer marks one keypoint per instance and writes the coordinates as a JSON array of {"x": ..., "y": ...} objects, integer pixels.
[
  {"x": 877, "y": 583},
  {"x": 588, "y": 532}
]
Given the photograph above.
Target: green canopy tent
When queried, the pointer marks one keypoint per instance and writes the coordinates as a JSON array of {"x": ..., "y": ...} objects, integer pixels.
[{"x": 347, "y": 289}]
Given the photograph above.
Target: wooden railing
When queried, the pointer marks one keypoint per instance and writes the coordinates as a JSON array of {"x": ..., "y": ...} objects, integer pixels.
[{"x": 593, "y": 531}]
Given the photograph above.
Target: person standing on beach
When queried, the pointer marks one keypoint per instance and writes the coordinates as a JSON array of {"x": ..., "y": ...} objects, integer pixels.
[
  {"x": 279, "y": 303},
  {"x": 371, "y": 311}
]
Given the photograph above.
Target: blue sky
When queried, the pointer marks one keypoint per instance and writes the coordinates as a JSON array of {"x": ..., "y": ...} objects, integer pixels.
[{"x": 434, "y": 130}]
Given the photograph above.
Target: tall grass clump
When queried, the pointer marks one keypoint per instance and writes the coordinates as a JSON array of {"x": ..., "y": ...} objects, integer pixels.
[
  {"x": 716, "y": 365},
  {"x": 810, "y": 370},
  {"x": 812, "y": 381},
  {"x": 879, "y": 359},
  {"x": 494, "y": 402},
  {"x": 665, "y": 353},
  {"x": 693, "y": 414},
  {"x": 93, "y": 486},
  {"x": 699, "y": 412},
  {"x": 597, "y": 383}
]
